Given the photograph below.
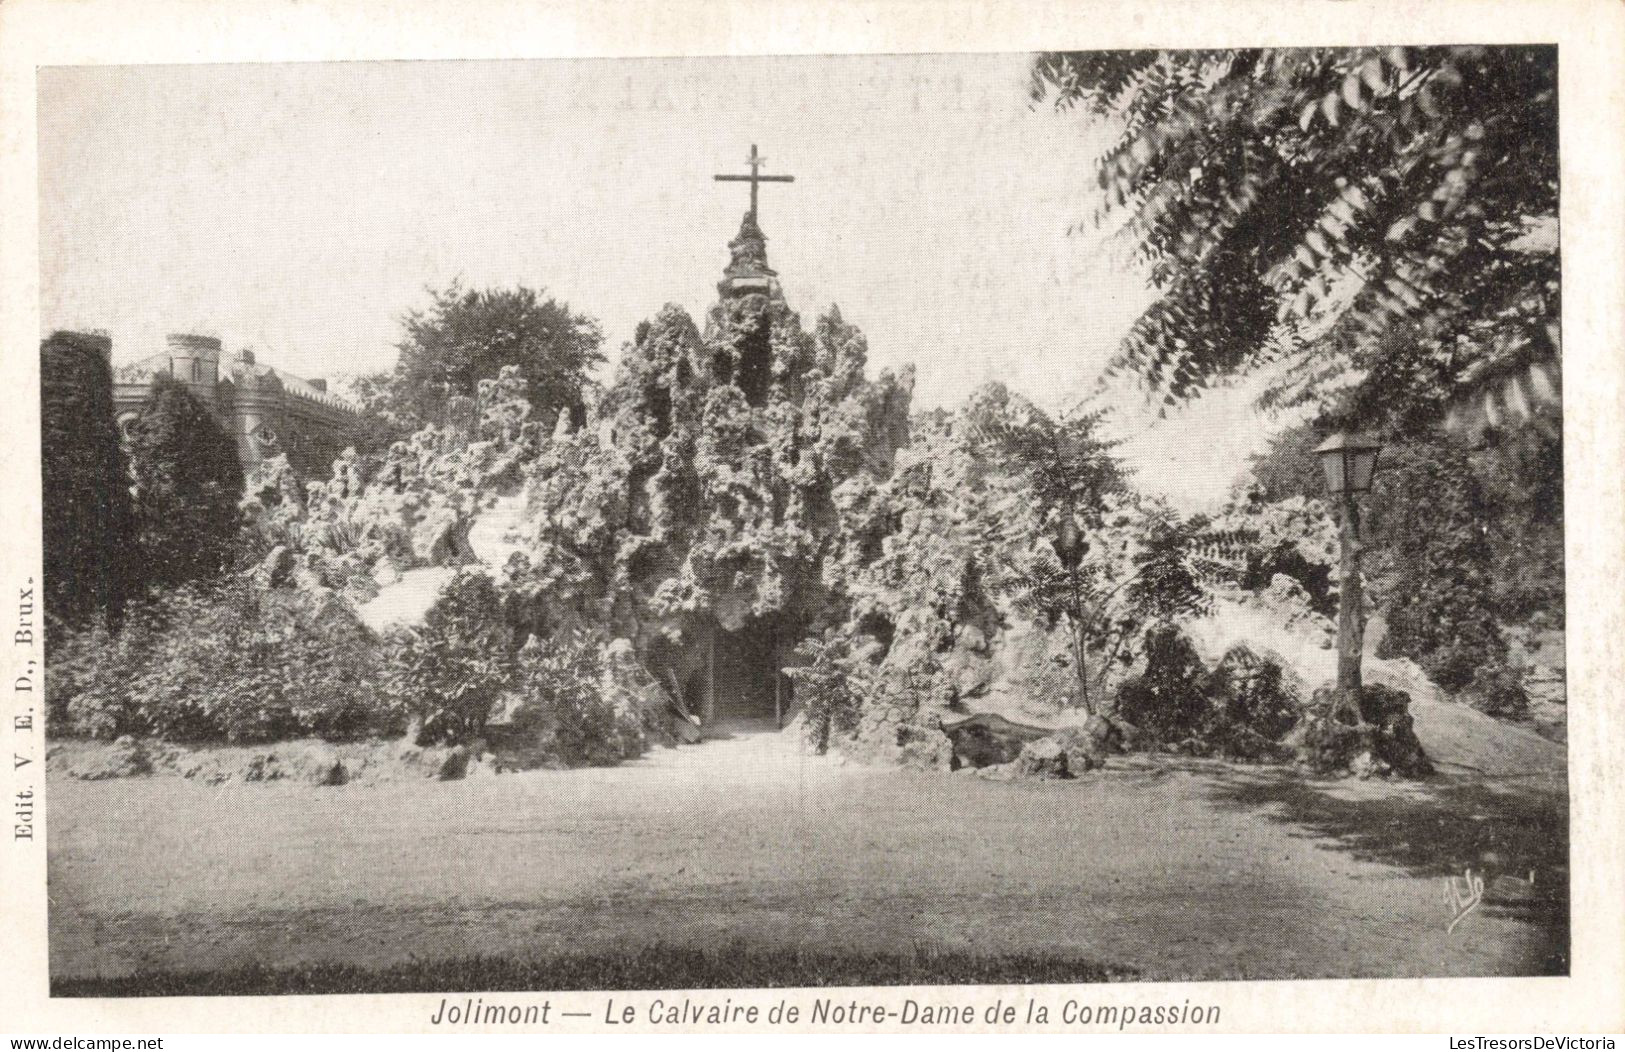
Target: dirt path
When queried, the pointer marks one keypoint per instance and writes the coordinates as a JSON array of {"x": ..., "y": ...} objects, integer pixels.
[{"x": 1181, "y": 870}]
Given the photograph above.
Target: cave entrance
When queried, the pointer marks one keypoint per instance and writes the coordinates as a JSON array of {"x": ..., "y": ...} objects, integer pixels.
[{"x": 747, "y": 680}]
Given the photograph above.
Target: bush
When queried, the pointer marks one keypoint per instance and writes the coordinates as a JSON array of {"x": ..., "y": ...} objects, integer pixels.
[
  {"x": 1454, "y": 665},
  {"x": 563, "y": 712},
  {"x": 1252, "y": 710},
  {"x": 444, "y": 677},
  {"x": 1497, "y": 690},
  {"x": 89, "y": 677},
  {"x": 829, "y": 707},
  {"x": 1241, "y": 709},
  {"x": 1167, "y": 702},
  {"x": 222, "y": 661}
]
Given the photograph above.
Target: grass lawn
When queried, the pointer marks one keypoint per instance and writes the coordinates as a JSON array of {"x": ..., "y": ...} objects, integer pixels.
[{"x": 745, "y": 862}]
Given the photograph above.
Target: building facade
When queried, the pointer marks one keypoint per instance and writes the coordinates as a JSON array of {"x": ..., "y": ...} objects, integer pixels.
[{"x": 264, "y": 410}]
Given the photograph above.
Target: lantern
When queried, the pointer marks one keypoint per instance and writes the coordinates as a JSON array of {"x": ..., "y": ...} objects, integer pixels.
[
  {"x": 1070, "y": 547},
  {"x": 1349, "y": 460}
]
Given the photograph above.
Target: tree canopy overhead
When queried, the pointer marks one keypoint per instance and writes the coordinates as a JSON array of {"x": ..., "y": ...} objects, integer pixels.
[
  {"x": 468, "y": 335},
  {"x": 1296, "y": 206}
]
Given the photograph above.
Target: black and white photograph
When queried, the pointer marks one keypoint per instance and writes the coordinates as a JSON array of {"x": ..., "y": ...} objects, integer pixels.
[{"x": 1040, "y": 518}]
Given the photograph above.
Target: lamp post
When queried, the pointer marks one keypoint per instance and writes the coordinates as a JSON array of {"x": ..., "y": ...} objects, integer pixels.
[{"x": 1349, "y": 461}]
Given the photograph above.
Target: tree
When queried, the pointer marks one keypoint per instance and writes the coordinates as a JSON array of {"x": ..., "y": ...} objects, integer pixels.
[
  {"x": 1294, "y": 205},
  {"x": 379, "y": 421},
  {"x": 1113, "y": 565},
  {"x": 188, "y": 482},
  {"x": 1461, "y": 538},
  {"x": 1434, "y": 571},
  {"x": 85, "y": 485},
  {"x": 468, "y": 335}
]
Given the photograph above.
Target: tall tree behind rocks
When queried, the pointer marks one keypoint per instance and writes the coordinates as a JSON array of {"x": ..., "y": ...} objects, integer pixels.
[
  {"x": 84, "y": 481},
  {"x": 468, "y": 335},
  {"x": 380, "y": 422},
  {"x": 188, "y": 482}
]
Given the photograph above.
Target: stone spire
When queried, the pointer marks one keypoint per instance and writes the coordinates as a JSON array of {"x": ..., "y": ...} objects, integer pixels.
[{"x": 747, "y": 269}]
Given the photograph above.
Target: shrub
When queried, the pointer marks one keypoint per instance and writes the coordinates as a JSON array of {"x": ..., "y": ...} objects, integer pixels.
[
  {"x": 564, "y": 713},
  {"x": 222, "y": 661},
  {"x": 444, "y": 677},
  {"x": 90, "y": 677},
  {"x": 829, "y": 706},
  {"x": 1497, "y": 690},
  {"x": 1241, "y": 709},
  {"x": 1168, "y": 701},
  {"x": 1252, "y": 710}
]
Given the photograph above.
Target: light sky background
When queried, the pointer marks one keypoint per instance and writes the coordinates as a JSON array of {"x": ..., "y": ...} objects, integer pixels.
[{"x": 301, "y": 209}]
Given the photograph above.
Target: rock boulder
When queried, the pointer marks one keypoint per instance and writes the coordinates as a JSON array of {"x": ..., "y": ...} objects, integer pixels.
[{"x": 987, "y": 739}]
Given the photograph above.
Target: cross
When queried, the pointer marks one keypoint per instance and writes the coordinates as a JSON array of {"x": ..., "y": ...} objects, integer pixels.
[{"x": 755, "y": 177}]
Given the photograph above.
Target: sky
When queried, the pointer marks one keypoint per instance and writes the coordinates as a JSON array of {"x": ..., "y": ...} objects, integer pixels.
[{"x": 302, "y": 209}]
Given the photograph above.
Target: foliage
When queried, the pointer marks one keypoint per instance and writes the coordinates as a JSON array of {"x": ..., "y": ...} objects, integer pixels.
[
  {"x": 1520, "y": 476},
  {"x": 86, "y": 518},
  {"x": 1111, "y": 565},
  {"x": 1259, "y": 535},
  {"x": 1141, "y": 579},
  {"x": 1275, "y": 194},
  {"x": 222, "y": 661},
  {"x": 1287, "y": 467},
  {"x": 1070, "y": 467},
  {"x": 1287, "y": 557},
  {"x": 444, "y": 677},
  {"x": 380, "y": 417},
  {"x": 1240, "y": 709},
  {"x": 1459, "y": 537},
  {"x": 1164, "y": 589},
  {"x": 1497, "y": 690},
  {"x": 1166, "y": 702},
  {"x": 1252, "y": 710},
  {"x": 563, "y": 709},
  {"x": 188, "y": 482},
  {"x": 87, "y": 676},
  {"x": 1433, "y": 569},
  {"x": 945, "y": 563},
  {"x": 468, "y": 335},
  {"x": 829, "y": 706}
]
